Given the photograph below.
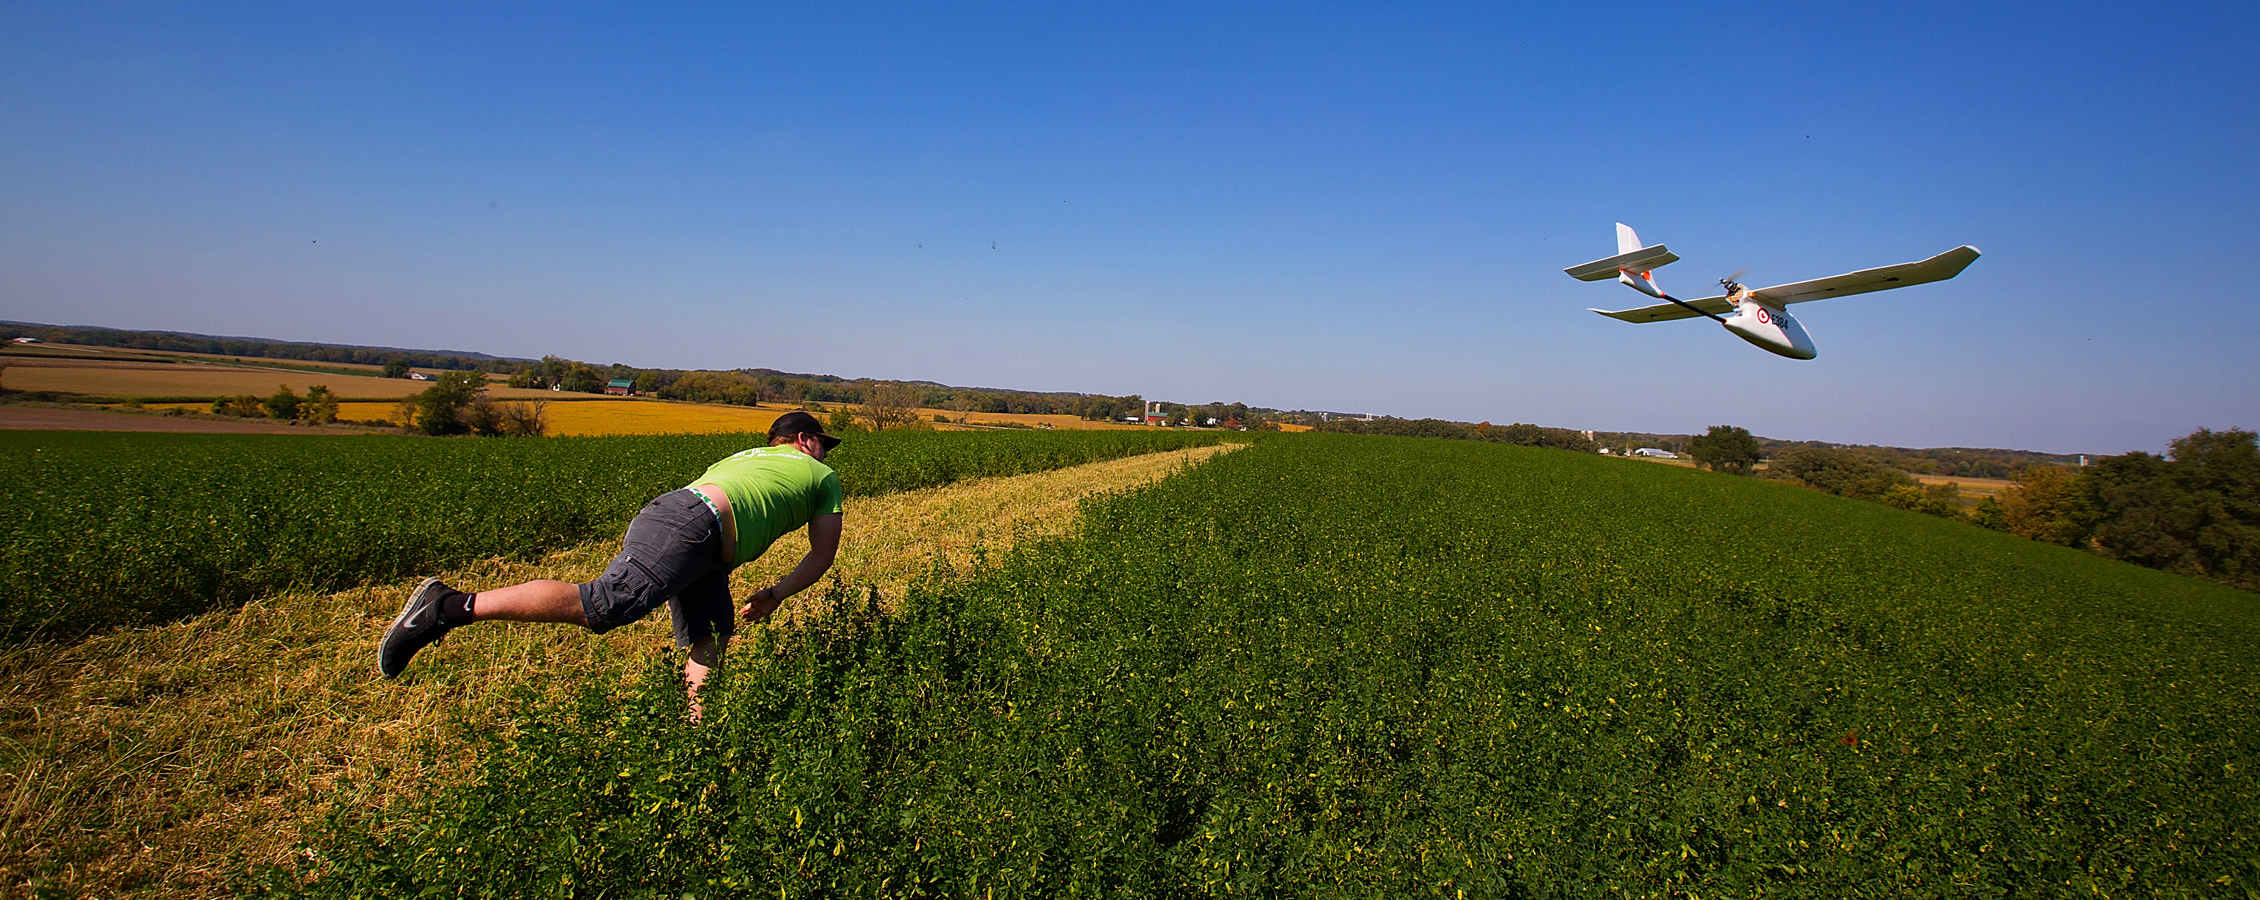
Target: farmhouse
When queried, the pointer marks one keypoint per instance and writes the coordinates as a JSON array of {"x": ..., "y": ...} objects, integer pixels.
[{"x": 620, "y": 387}]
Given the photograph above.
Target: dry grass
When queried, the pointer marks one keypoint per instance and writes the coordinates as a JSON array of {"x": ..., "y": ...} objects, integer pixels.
[
  {"x": 166, "y": 761},
  {"x": 1971, "y": 487}
]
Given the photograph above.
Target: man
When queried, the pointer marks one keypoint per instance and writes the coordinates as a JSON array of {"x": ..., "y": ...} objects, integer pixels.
[{"x": 679, "y": 551}]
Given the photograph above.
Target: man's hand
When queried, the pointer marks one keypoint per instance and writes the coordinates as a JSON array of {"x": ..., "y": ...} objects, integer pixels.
[{"x": 758, "y": 608}]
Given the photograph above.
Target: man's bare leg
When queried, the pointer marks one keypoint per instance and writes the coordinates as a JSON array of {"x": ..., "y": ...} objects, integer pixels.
[
  {"x": 534, "y": 601},
  {"x": 706, "y": 653},
  {"x": 433, "y": 609}
]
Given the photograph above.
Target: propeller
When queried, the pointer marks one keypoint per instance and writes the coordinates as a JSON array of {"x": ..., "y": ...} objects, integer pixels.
[{"x": 1734, "y": 282}]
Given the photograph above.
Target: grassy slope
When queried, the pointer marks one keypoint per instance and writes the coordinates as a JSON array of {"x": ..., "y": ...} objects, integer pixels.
[{"x": 1352, "y": 666}]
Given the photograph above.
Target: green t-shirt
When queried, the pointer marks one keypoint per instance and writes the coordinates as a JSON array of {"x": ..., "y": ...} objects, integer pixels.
[{"x": 772, "y": 491}]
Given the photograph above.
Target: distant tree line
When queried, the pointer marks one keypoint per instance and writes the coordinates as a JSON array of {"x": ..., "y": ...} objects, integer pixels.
[
  {"x": 1951, "y": 462},
  {"x": 2194, "y": 511},
  {"x": 754, "y": 387},
  {"x": 1861, "y": 476},
  {"x": 257, "y": 349},
  {"x": 1519, "y": 434}
]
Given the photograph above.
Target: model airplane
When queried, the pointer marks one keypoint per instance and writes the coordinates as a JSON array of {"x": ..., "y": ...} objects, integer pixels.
[{"x": 1759, "y": 315}]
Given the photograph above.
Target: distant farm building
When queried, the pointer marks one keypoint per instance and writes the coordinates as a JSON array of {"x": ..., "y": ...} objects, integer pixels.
[
  {"x": 620, "y": 387},
  {"x": 418, "y": 376},
  {"x": 1655, "y": 453},
  {"x": 27, "y": 340}
]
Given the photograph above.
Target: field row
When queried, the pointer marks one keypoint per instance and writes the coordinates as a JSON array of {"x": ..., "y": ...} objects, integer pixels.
[
  {"x": 101, "y": 530},
  {"x": 1341, "y": 666}
]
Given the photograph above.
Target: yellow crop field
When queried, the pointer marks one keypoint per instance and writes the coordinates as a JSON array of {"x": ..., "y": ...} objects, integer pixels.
[
  {"x": 591, "y": 418},
  {"x": 1030, "y": 419},
  {"x": 583, "y": 418}
]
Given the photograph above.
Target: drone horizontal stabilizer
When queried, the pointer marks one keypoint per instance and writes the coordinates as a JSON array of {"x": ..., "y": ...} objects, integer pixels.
[{"x": 1640, "y": 260}]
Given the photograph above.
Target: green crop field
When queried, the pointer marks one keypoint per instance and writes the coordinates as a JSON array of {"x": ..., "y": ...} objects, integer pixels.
[
  {"x": 102, "y": 529},
  {"x": 1344, "y": 666}
]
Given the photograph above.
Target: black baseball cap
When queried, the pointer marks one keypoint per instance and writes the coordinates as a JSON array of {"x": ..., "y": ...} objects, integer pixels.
[{"x": 797, "y": 422}]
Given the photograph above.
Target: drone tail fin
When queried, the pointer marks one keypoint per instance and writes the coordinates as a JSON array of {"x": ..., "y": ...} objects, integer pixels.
[
  {"x": 1626, "y": 240},
  {"x": 1631, "y": 266},
  {"x": 1643, "y": 279}
]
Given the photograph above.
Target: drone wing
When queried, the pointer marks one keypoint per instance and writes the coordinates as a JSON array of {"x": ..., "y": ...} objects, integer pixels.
[
  {"x": 1937, "y": 268},
  {"x": 1665, "y": 312}
]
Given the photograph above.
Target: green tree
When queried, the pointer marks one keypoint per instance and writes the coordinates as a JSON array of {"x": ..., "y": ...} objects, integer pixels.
[
  {"x": 839, "y": 420},
  {"x": 2048, "y": 503},
  {"x": 439, "y": 407},
  {"x": 2197, "y": 513},
  {"x": 1942, "y": 500},
  {"x": 396, "y": 367},
  {"x": 580, "y": 377},
  {"x": 1988, "y": 514},
  {"x": 320, "y": 406},
  {"x": 1725, "y": 448},
  {"x": 1840, "y": 472},
  {"x": 283, "y": 405}
]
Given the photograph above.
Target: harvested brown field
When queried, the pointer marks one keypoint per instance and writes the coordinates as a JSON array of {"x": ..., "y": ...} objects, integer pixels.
[
  {"x": 43, "y": 418},
  {"x": 1971, "y": 487},
  {"x": 143, "y": 378},
  {"x": 167, "y": 761}
]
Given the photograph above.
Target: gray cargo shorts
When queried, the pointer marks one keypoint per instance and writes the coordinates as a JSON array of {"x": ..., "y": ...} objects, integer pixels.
[{"x": 673, "y": 555}]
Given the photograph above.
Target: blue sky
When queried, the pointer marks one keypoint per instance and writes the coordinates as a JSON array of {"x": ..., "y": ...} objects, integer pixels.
[{"x": 1361, "y": 207}]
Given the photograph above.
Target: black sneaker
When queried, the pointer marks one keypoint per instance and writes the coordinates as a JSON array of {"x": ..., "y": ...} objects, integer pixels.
[{"x": 417, "y": 627}]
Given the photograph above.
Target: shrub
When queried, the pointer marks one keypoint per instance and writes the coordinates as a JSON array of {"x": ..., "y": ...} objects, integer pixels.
[
  {"x": 283, "y": 405},
  {"x": 246, "y": 405}
]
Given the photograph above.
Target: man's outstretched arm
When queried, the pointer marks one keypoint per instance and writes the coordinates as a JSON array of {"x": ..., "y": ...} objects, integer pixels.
[{"x": 823, "y": 547}]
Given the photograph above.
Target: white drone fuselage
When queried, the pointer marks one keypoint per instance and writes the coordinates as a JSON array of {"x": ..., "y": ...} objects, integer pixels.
[
  {"x": 1771, "y": 328},
  {"x": 1759, "y": 316}
]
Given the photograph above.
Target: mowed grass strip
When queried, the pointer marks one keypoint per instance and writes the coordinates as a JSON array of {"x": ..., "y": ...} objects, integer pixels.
[{"x": 164, "y": 761}]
